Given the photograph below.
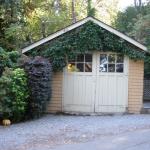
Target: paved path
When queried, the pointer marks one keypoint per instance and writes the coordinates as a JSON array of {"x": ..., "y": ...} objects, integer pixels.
[{"x": 136, "y": 140}]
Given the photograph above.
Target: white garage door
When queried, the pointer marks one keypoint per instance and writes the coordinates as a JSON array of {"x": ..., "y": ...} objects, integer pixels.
[{"x": 96, "y": 82}]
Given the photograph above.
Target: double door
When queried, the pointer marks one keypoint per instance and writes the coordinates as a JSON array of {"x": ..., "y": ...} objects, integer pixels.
[{"x": 96, "y": 82}]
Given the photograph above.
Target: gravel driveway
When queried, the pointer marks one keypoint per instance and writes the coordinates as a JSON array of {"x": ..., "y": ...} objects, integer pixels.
[{"x": 52, "y": 130}]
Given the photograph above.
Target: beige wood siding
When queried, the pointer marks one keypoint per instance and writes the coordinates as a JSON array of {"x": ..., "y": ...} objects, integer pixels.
[
  {"x": 136, "y": 73},
  {"x": 55, "y": 104}
]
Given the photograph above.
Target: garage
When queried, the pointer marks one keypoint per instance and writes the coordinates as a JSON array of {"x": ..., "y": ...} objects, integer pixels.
[
  {"x": 96, "y": 82},
  {"x": 96, "y": 69}
]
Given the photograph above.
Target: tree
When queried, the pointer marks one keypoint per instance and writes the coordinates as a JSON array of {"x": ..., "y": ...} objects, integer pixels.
[
  {"x": 126, "y": 20},
  {"x": 141, "y": 30},
  {"x": 136, "y": 23},
  {"x": 73, "y": 12},
  {"x": 24, "y": 21},
  {"x": 90, "y": 10},
  {"x": 11, "y": 13},
  {"x": 106, "y": 11},
  {"x": 138, "y": 4}
]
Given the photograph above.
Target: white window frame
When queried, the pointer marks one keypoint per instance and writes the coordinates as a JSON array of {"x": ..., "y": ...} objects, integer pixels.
[
  {"x": 83, "y": 62},
  {"x": 115, "y": 63}
]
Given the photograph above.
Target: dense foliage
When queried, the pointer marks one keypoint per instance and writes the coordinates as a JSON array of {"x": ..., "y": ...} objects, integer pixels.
[
  {"x": 5, "y": 95},
  {"x": 79, "y": 40},
  {"x": 39, "y": 74},
  {"x": 7, "y": 59},
  {"x": 135, "y": 22},
  {"x": 25, "y": 21},
  {"x": 15, "y": 103},
  {"x": 13, "y": 94},
  {"x": 20, "y": 93}
]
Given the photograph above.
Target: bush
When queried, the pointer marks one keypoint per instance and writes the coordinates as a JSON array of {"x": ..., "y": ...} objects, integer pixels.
[
  {"x": 7, "y": 59},
  {"x": 5, "y": 95},
  {"x": 39, "y": 72},
  {"x": 20, "y": 93},
  {"x": 13, "y": 94},
  {"x": 3, "y": 60}
]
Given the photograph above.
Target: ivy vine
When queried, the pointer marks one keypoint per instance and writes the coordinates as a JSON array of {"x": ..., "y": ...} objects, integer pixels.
[{"x": 88, "y": 37}]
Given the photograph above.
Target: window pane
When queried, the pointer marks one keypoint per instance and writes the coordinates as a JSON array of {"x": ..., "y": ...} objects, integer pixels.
[
  {"x": 119, "y": 68},
  {"x": 120, "y": 58},
  {"x": 71, "y": 67},
  {"x": 80, "y": 67},
  {"x": 111, "y": 58},
  {"x": 88, "y": 67},
  {"x": 103, "y": 59},
  {"x": 103, "y": 68},
  {"x": 88, "y": 57},
  {"x": 80, "y": 58},
  {"x": 111, "y": 67},
  {"x": 103, "y": 63}
]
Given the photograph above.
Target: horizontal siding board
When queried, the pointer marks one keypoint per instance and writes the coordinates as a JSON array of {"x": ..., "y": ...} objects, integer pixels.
[
  {"x": 136, "y": 73},
  {"x": 55, "y": 104}
]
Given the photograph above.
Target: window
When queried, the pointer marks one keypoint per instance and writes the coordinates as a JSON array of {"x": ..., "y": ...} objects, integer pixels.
[
  {"x": 82, "y": 63},
  {"x": 111, "y": 63}
]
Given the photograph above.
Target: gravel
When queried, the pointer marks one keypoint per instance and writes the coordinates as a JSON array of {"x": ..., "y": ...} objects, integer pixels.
[{"x": 52, "y": 130}]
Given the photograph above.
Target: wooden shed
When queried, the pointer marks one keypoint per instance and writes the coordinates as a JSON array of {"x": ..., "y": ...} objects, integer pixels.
[{"x": 100, "y": 80}]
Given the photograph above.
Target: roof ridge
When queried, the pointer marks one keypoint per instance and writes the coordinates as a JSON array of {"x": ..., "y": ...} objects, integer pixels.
[{"x": 79, "y": 23}]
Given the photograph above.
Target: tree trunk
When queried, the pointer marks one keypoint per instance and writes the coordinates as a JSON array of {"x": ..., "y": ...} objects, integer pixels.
[
  {"x": 57, "y": 6},
  {"x": 89, "y": 8},
  {"x": 73, "y": 12},
  {"x": 138, "y": 4},
  {"x": 135, "y": 4},
  {"x": 43, "y": 28}
]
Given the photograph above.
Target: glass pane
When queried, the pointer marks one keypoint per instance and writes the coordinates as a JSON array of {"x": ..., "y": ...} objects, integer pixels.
[
  {"x": 80, "y": 58},
  {"x": 71, "y": 67},
  {"x": 119, "y": 68},
  {"x": 103, "y": 68},
  {"x": 120, "y": 58},
  {"x": 111, "y": 67},
  {"x": 111, "y": 58},
  {"x": 80, "y": 67},
  {"x": 103, "y": 63},
  {"x": 103, "y": 59},
  {"x": 88, "y": 57},
  {"x": 88, "y": 67}
]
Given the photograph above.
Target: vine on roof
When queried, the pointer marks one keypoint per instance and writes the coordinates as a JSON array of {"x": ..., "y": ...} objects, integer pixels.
[{"x": 86, "y": 38}]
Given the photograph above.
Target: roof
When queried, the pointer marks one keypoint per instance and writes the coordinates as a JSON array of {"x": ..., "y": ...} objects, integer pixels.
[{"x": 79, "y": 23}]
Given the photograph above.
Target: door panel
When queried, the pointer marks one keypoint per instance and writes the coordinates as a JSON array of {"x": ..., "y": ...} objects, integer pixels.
[
  {"x": 78, "y": 93},
  {"x": 111, "y": 90},
  {"x": 111, "y": 94}
]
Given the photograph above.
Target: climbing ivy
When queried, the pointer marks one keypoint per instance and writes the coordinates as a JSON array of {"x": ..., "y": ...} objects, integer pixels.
[{"x": 88, "y": 37}]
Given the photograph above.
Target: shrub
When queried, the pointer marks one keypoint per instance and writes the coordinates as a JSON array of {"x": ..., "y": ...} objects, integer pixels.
[
  {"x": 39, "y": 73},
  {"x": 3, "y": 60},
  {"x": 5, "y": 94},
  {"x": 7, "y": 59},
  {"x": 20, "y": 93},
  {"x": 13, "y": 94}
]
